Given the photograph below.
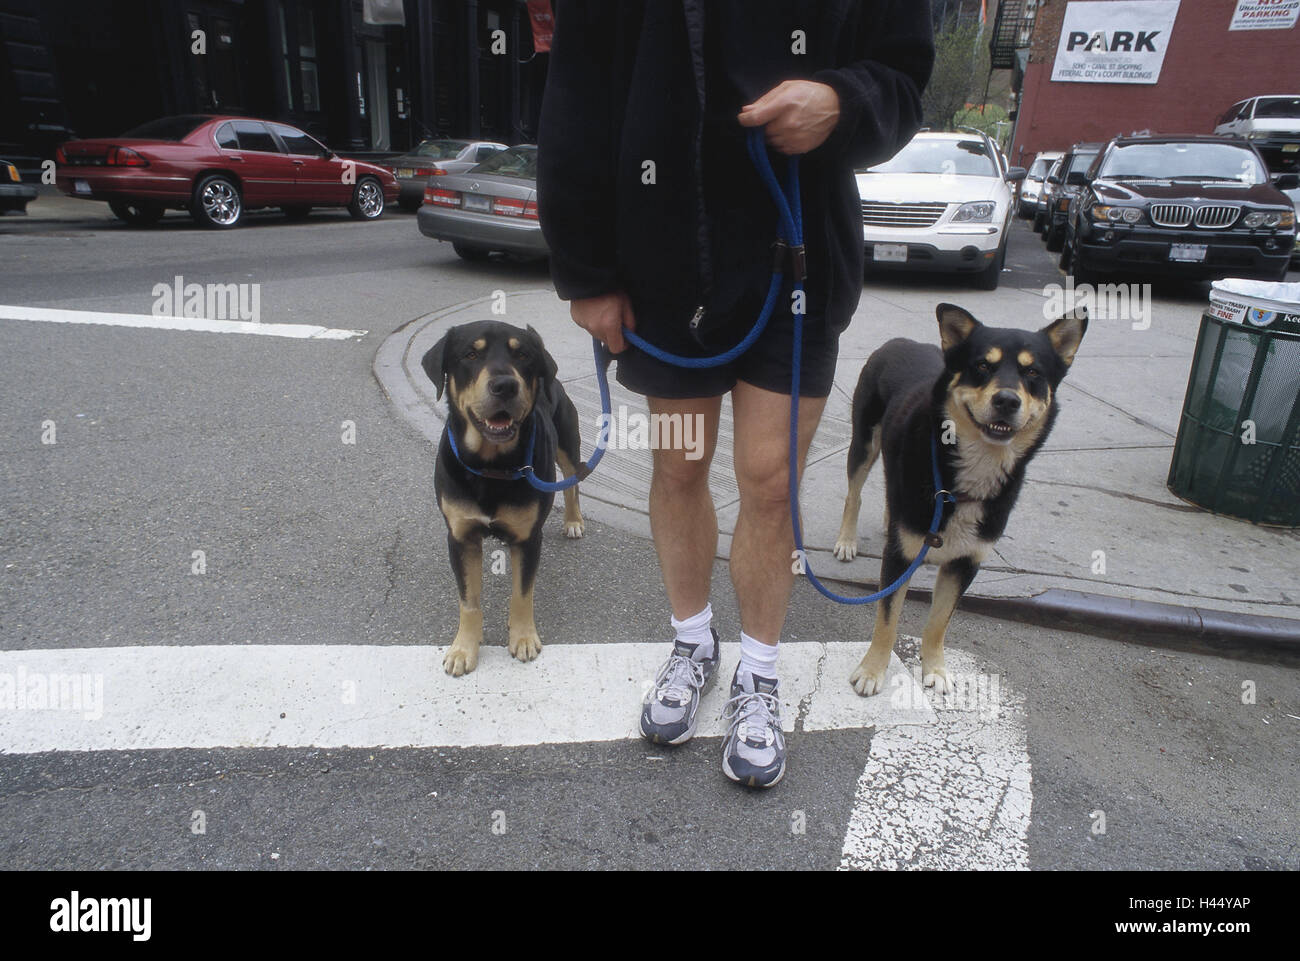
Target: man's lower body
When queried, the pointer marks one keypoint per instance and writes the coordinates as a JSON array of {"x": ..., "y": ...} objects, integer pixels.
[{"x": 684, "y": 524}]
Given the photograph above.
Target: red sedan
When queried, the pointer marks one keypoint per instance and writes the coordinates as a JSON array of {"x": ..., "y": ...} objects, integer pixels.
[{"x": 217, "y": 168}]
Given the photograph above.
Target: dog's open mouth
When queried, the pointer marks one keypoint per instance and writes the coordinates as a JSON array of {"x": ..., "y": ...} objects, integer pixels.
[
  {"x": 498, "y": 427},
  {"x": 998, "y": 430}
]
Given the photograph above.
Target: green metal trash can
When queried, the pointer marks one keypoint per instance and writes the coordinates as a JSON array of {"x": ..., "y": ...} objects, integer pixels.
[{"x": 1238, "y": 446}]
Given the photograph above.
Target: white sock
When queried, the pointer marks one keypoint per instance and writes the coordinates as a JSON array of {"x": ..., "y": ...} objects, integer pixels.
[
  {"x": 696, "y": 630},
  {"x": 757, "y": 658}
]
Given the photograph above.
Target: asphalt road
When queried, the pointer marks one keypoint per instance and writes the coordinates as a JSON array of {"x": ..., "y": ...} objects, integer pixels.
[{"x": 174, "y": 442}]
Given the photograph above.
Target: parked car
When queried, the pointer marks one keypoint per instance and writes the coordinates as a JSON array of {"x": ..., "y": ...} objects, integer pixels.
[
  {"x": 491, "y": 207},
  {"x": 1031, "y": 188},
  {"x": 1074, "y": 165},
  {"x": 1198, "y": 206},
  {"x": 436, "y": 158},
  {"x": 14, "y": 194},
  {"x": 218, "y": 168},
  {"x": 1050, "y": 185},
  {"x": 1294, "y": 195},
  {"x": 942, "y": 203},
  {"x": 1271, "y": 124}
]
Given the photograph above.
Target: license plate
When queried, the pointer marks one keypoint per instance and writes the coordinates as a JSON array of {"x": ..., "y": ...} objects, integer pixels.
[
  {"x": 891, "y": 253},
  {"x": 405, "y": 172},
  {"x": 1194, "y": 253},
  {"x": 473, "y": 202},
  {"x": 80, "y": 187},
  {"x": 1291, "y": 148}
]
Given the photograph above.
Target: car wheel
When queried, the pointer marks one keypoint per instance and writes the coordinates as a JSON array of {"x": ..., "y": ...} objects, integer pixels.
[
  {"x": 1067, "y": 254},
  {"x": 1038, "y": 223},
  {"x": 217, "y": 202},
  {"x": 296, "y": 213},
  {"x": 1082, "y": 273},
  {"x": 367, "y": 200},
  {"x": 136, "y": 214},
  {"x": 1055, "y": 238},
  {"x": 988, "y": 278},
  {"x": 465, "y": 252}
]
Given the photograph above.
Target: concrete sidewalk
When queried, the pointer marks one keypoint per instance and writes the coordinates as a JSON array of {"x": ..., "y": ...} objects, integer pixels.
[{"x": 1098, "y": 485}]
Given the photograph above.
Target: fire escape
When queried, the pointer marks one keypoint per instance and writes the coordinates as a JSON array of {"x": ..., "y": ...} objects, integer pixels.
[{"x": 1012, "y": 29}]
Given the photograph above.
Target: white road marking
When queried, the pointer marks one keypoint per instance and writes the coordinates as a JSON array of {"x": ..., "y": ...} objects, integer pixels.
[
  {"x": 60, "y": 316},
  {"x": 376, "y": 696},
  {"x": 953, "y": 795}
]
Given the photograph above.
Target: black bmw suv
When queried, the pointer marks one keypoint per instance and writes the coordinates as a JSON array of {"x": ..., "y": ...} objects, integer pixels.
[{"x": 1199, "y": 207}]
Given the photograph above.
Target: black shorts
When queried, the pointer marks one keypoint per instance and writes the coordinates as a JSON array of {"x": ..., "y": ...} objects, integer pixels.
[{"x": 767, "y": 364}]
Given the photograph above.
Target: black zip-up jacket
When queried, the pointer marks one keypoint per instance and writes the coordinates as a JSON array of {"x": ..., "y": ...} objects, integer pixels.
[{"x": 644, "y": 184}]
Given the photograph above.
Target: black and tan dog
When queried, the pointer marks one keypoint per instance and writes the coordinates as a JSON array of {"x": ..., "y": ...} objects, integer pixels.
[
  {"x": 502, "y": 397},
  {"x": 988, "y": 400}
]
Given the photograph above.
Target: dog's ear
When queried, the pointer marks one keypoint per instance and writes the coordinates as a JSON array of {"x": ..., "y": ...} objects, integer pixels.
[
  {"x": 435, "y": 364},
  {"x": 955, "y": 325},
  {"x": 1066, "y": 332},
  {"x": 549, "y": 367}
]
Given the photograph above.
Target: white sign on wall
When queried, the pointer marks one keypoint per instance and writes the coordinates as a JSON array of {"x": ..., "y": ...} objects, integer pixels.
[
  {"x": 1114, "y": 41},
  {"x": 1265, "y": 14}
]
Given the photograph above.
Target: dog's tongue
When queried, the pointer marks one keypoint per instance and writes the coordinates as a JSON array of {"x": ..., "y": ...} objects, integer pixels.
[{"x": 499, "y": 421}]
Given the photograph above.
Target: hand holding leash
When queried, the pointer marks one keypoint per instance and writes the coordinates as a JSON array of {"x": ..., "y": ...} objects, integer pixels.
[{"x": 604, "y": 317}]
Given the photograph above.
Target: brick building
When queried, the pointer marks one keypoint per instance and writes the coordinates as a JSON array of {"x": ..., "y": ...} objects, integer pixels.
[{"x": 1206, "y": 68}]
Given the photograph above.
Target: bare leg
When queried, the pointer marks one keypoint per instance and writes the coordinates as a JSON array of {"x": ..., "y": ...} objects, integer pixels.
[
  {"x": 761, "y": 562},
  {"x": 682, "y": 518}
]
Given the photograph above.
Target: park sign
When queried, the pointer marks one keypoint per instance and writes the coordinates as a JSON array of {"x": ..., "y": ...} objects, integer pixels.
[
  {"x": 1264, "y": 15},
  {"x": 1114, "y": 41}
]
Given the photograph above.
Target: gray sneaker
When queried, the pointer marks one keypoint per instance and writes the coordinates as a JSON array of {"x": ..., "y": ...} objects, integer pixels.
[
  {"x": 753, "y": 753},
  {"x": 669, "y": 713}
]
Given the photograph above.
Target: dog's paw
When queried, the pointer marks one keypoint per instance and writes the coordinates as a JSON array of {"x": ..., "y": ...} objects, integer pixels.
[
  {"x": 866, "y": 681},
  {"x": 460, "y": 659},
  {"x": 937, "y": 678},
  {"x": 525, "y": 645},
  {"x": 846, "y": 549},
  {"x": 573, "y": 529}
]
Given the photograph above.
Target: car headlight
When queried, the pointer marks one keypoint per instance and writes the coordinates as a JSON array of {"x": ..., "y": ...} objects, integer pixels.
[
  {"x": 1256, "y": 135},
  {"x": 1266, "y": 218},
  {"x": 979, "y": 212},
  {"x": 1114, "y": 215}
]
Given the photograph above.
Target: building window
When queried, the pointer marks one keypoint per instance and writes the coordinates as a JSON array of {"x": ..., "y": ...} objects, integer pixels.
[
  {"x": 307, "y": 61},
  {"x": 284, "y": 55}
]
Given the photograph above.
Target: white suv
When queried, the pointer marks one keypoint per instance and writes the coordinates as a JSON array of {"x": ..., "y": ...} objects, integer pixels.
[
  {"x": 942, "y": 203},
  {"x": 1272, "y": 124}
]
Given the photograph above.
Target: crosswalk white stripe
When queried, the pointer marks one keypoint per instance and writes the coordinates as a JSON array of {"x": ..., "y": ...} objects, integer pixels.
[
  {"x": 200, "y": 324},
  {"x": 953, "y": 795},
  {"x": 377, "y": 696}
]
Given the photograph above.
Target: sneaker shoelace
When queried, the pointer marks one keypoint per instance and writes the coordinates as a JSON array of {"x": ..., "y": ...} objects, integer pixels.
[
  {"x": 677, "y": 675},
  {"x": 753, "y": 715}
]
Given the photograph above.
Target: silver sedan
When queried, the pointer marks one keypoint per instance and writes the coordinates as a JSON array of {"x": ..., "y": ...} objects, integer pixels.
[{"x": 492, "y": 207}]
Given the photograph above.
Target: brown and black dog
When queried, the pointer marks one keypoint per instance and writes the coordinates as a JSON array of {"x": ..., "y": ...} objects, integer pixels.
[
  {"x": 988, "y": 401},
  {"x": 503, "y": 398}
]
